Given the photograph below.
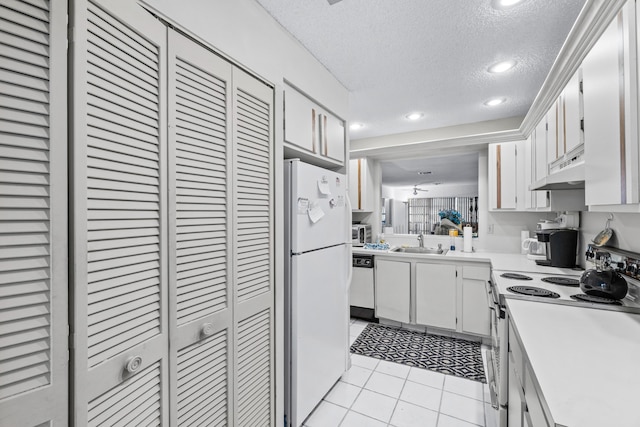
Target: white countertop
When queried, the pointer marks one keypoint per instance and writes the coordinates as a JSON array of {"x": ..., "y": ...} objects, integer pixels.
[
  {"x": 585, "y": 361},
  {"x": 498, "y": 260}
]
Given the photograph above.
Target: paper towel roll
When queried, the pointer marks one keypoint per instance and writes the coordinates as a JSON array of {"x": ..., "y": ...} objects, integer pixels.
[
  {"x": 524, "y": 235},
  {"x": 468, "y": 245}
]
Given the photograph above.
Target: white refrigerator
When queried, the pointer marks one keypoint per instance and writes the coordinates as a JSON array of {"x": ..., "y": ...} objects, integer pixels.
[{"x": 317, "y": 277}]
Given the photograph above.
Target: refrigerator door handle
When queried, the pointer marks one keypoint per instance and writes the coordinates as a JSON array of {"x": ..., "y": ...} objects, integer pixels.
[{"x": 349, "y": 245}]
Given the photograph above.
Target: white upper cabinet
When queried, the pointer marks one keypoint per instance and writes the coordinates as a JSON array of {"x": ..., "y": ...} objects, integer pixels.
[
  {"x": 610, "y": 116},
  {"x": 503, "y": 176},
  {"x": 554, "y": 133},
  {"x": 311, "y": 132},
  {"x": 333, "y": 137},
  {"x": 540, "y": 168},
  {"x": 361, "y": 185},
  {"x": 572, "y": 114},
  {"x": 300, "y": 116}
]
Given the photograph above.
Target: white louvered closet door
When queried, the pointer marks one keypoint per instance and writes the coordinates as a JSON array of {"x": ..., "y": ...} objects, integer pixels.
[
  {"x": 253, "y": 251},
  {"x": 120, "y": 323},
  {"x": 33, "y": 213},
  {"x": 200, "y": 235}
]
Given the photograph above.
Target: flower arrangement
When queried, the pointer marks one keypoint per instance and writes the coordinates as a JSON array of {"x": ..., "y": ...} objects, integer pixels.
[{"x": 452, "y": 215}]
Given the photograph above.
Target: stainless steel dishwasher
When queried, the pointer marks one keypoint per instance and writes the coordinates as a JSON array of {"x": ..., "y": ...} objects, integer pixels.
[{"x": 361, "y": 292}]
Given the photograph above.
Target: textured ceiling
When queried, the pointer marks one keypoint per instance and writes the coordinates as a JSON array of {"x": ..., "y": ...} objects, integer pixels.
[
  {"x": 461, "y": 169},
  {"x": 399, "y": 56}
]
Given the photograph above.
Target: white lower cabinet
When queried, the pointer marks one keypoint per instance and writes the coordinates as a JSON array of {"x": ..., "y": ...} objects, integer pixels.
[
  {"x": 442, "y": 295},
  {"x": 393, "y": 284},
  {"x": 436, "y": 295},
  {"x": 525, "y": 404},
  {"x": 475, "y": 315}
]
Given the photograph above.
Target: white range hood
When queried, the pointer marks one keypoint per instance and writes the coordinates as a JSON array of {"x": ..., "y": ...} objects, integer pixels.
[{"x": 568, "y": 178}]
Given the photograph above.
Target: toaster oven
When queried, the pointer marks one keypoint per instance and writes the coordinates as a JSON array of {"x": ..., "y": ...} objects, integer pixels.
[{"x": 360, "y": 234}]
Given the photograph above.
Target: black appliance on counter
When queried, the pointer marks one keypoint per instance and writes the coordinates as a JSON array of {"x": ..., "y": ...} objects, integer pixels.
[{"x": 561, "y": 245}]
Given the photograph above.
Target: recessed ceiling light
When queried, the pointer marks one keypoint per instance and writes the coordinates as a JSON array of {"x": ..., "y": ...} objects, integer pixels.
[
  {"x": 507, "y": 3},
  {"x": 495, "y": 101},
  {"x": 501, "y": 67},
  {"x": 356, "y": 126},
  {"x": 414, "y": 116},
  {"x": 503, "y": 4}
]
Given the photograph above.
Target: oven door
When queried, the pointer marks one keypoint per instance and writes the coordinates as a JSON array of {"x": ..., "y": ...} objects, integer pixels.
[
  {"x": 493, "y": 356},
  {"x": 497, "y": 360}
]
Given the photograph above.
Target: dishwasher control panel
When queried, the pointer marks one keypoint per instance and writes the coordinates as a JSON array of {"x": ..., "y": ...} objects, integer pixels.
[{"x": 363, "y": 261}]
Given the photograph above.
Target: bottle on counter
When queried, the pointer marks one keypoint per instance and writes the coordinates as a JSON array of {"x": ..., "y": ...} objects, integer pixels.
[{"x": 452, "y": 238}]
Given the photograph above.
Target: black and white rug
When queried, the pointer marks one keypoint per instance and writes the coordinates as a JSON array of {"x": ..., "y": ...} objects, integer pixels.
[{"x": 434, "y": 352}]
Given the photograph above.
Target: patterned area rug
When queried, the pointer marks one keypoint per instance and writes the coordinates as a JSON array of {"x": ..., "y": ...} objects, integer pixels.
[{"x": 442, "y": 354}]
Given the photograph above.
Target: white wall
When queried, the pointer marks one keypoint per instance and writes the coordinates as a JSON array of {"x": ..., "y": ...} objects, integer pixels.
[
  {"x": 626, "y": 228},
  {"x": 243, "y": 31},
  {"x": 444, "y": 190}
]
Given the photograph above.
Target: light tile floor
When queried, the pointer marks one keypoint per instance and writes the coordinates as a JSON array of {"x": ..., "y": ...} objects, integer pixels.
[{"x": 378, "y": 393}]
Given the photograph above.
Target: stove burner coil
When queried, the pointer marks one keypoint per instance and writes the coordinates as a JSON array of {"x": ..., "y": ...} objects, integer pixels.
[
  {"x": 515, "y": 276},
  {"x": 595, "y": 299},
  {"x": 563, "y": 281},
  {"x": 533, "y": 291}
]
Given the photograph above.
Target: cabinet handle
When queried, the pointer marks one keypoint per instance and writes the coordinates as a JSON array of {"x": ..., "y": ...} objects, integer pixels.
[
  {"x": 313, "y": 130},
  {"x": 133, "y": 364},
  {"x": 207, "y": 329}
]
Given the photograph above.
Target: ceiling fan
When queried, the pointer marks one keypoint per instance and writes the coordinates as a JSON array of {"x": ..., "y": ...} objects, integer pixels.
[{"x": 416, "y": 189}]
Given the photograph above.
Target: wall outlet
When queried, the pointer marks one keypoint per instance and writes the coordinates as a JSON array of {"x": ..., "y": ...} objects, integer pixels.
[{"x": 490, "y": 229}]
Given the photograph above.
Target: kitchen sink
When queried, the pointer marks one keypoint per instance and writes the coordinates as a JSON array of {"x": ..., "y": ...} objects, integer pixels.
[{"x": 437, "y": 251}]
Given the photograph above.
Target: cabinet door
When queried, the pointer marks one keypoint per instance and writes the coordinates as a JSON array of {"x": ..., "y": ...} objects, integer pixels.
[
  {"x": 200, "y": 293},
  {"x": 605, "y": 117},
  {"x": 436, "y": 295},
  {"x": 361, "y": 185},
  {"x": 393, "y": 284},
  {"x": 120, "y": 327},
  {"x": 540, "y": 150},
  {"x": 529, "y": 172},
  {"x": 354, "y": 183},
  {"x": 515, "y": 396},
  {"x": 475, "y": 307},
  {"x": 33, "y": 214},
  {"x": 540, "y": 167},
  {"x": 334, "y": 137},
  {"x": 502, "y": 176},
  {"x": 554, "y": 132},
  {"x": 301, "y": 121},
  {"x": 253, "y": 252},
  {"x": 572, "y": 113}
]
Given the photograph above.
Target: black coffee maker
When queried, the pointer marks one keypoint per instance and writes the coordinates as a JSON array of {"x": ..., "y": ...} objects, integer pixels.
[{"x": 561, "y": 245}]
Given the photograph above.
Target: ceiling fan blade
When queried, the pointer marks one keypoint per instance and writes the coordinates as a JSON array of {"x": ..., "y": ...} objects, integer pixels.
[{"x": 332, "y": 2}]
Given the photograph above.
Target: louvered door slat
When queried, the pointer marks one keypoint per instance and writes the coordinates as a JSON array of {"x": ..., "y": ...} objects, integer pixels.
[
  {"x": 120, "y": 215},
  {"x": 33, "y": 234},
  {"x": 203, "y": 382},
  {"x": 139, "y": 393},
  {"x": 253, "y": 210},
  {"x": 200, "y": 233}
]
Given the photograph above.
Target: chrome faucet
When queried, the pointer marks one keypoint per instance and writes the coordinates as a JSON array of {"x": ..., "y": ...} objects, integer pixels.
[{"x": 421, "y": 240}]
